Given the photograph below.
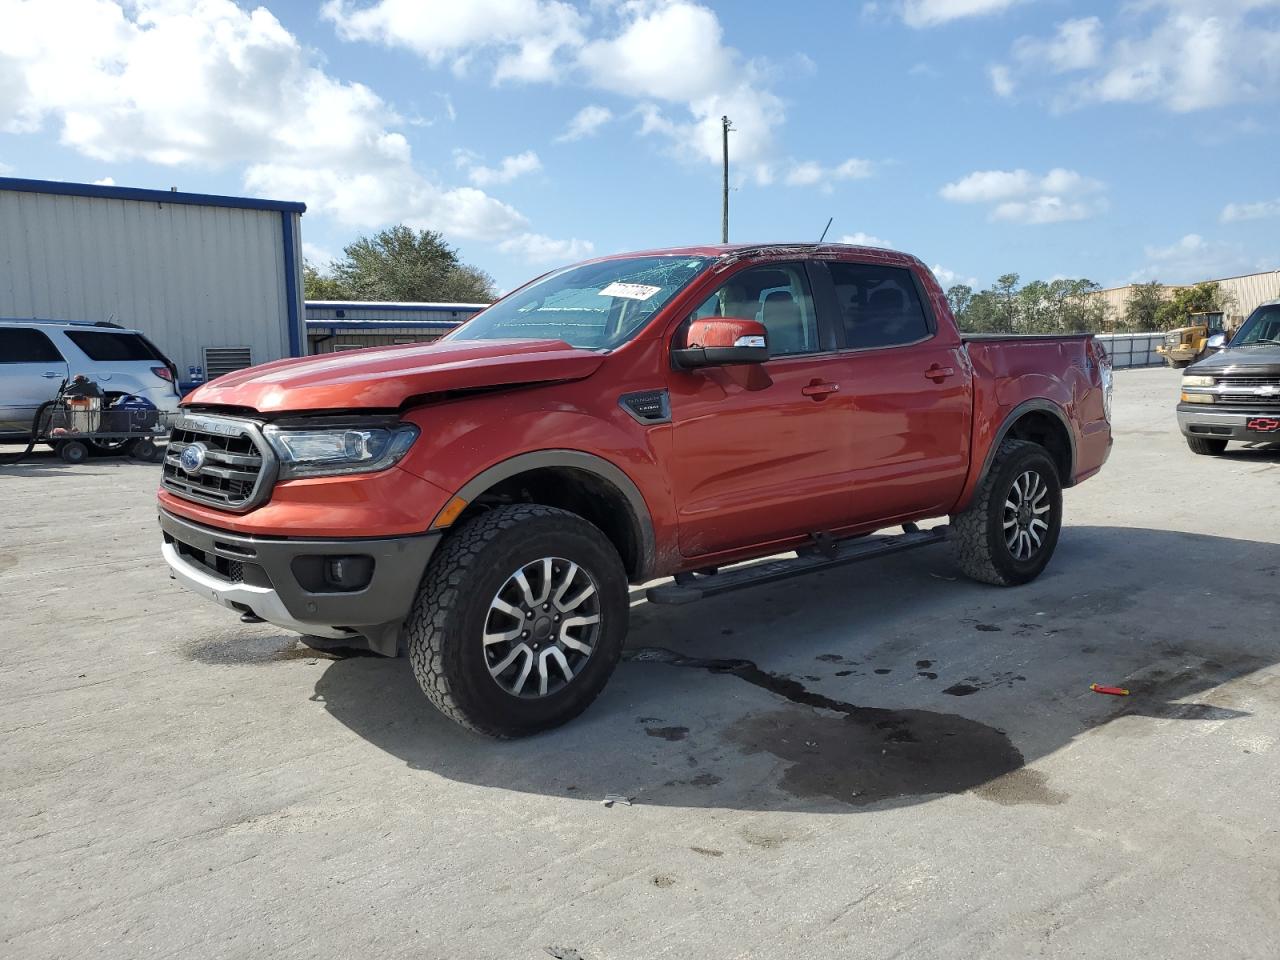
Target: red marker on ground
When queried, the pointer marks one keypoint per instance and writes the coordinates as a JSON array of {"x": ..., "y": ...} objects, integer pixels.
[{"x": 1114, "y": 691}]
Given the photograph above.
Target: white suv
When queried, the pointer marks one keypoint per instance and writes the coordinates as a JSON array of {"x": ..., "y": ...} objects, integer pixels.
[{"x": 38, "y": 356}]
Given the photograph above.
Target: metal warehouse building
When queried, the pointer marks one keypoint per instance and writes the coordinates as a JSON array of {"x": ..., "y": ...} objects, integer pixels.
[
  {"x": 215, "y": 282},
  {"x": 1246, "y": 292},
  {"x": 334, "y": 325}
]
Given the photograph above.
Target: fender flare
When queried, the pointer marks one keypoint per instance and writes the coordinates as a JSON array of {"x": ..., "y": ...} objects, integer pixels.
[
  {"x": 1035, "y": 405},
  {"x": 641, "y": 519}
]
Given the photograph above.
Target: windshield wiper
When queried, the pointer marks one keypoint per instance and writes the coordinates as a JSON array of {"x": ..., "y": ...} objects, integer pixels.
[{"x": 1257, "y": 342}]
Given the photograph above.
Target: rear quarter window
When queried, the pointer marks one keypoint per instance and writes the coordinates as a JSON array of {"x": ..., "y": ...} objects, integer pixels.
[{"x": 98, "y": 345}]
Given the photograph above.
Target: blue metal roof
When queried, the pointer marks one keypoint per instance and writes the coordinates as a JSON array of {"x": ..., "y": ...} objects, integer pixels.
[
  {"x": 394, "y": 306},
  {"x": 62, "y": 188},
  {"x": 383, "y": 325}
]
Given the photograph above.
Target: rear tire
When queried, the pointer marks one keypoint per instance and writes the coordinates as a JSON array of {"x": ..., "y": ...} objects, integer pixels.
[
  {"x": 1207, "y": 446},
  {"x": 1009, "y": 532},
  {"x": 460, "y": 635}
]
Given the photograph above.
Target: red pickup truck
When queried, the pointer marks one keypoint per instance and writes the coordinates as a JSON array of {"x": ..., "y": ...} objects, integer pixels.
[{"x": 483, "y": 502}]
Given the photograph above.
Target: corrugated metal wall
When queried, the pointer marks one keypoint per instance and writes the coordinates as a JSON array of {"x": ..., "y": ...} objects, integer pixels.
[
  {"x": 332, "y": 341},
  {"x": 188, "y": 276},
  {"x": 1248, "y": 292}
]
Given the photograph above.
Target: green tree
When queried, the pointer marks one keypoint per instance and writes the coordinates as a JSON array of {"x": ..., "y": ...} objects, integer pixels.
[
  {"x": 1203, "y": 297},
  {"x": 959, "y": 298},
  {"x": 1140, "y": 310},
  {"x": 318, "y": 286},
  {"x": 402, "y": 264},
  {"x": 1005, "y": 293}
]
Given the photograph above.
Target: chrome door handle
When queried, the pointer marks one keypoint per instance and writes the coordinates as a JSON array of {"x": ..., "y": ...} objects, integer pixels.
[
  {"x": 938, "y": 373},
  {"x": 50, "y": 376}
]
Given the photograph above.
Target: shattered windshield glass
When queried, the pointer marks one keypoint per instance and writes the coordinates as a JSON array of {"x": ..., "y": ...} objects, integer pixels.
[{"x": 595, "y": 305}]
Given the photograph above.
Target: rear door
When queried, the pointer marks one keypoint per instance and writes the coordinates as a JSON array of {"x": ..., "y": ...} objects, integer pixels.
[
  {"x": 909, "y": 383},
  {"x": 31, "y": 372},
  {"x": 758, "y": 450}
]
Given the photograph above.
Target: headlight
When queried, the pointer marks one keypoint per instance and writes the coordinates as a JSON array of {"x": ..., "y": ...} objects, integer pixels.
[
  {"x": 1197, "y": 381},
  {"x": 330, "y": 451},
  {"x": 1197, "y": 397}
]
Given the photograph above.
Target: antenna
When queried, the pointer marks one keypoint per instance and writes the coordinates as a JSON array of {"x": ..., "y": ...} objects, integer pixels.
[{"x": 825, "y": 229}]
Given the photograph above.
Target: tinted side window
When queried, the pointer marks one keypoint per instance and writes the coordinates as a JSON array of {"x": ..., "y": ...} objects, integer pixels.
[
  {"x": 779, "y": 297},
  {"x": 24, "y": 345},
  {"x": 879, "y": 306},
  {"x": 112, "y": 346}
]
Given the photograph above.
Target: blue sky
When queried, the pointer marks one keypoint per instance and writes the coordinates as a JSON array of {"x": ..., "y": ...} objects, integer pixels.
[{"x": 1117, "y": 142}]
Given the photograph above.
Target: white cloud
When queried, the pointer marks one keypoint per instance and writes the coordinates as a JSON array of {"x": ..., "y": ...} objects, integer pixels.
[
  {"x": 861, "y": 239},
  {"x": 1193, "y": 259},
  {"x": 931, "y": 13},
  {"x": 1077, "y": 45},
  {"x": 535, "y": 248},
  {"x": 528, "y": 39},
  {"x": 5, "y": 169},
  {"x": 1001, "y": 80},
  {"x": 674, "y": 52},
  {"x": 1019, "y": 196},
  {"x": 507, "y": 170},
  {"x": 667, "y": 55},
  {"x": 214, "y": 86},
  {"x": 317, "y": 255},
  {"x": 105, "y": 182},
  {"x": 809, "y": 173},
  {"x": 586, "y": 123},
  {"x": 1184, "y": 55},
  {"x": 949, "y": 278},
  {"x": 1251, "y": 211}
]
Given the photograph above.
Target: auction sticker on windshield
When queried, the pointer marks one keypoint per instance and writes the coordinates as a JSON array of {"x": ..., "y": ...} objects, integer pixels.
[{"x": 629, "y": 291}]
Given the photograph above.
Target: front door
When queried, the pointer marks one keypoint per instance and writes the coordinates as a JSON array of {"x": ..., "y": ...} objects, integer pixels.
[
  {"x": 759, "y": 455},
  {"x": 31, "y": 371}
]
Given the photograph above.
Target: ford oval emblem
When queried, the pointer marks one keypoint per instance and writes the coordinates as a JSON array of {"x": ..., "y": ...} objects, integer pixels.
[{"x": 192, "y": 458}]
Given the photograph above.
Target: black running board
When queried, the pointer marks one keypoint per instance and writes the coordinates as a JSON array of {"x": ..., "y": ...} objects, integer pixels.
[{"x": 841, "y": 552}]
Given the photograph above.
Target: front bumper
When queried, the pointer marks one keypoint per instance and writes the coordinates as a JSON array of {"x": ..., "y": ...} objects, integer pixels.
[
  {"x": 281, "y": 580},
  {"x": 1202, "y": 420}
]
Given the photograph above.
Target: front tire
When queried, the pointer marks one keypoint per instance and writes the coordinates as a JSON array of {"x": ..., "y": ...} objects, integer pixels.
[
  {"x": 1009, "y": 532},
  {"x": 1207, "y": 446},
  {"x": 520, "y": 620}
]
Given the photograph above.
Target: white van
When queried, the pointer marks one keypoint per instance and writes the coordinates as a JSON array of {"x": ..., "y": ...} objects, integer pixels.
[{"x": 38, "y": 356}]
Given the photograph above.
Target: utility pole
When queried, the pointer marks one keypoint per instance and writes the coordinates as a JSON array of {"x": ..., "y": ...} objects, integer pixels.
[{"x": 724, "y": 207}]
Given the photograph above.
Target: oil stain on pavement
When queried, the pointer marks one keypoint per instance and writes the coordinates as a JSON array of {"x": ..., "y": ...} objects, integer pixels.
[{"x": 864, "y": 755}]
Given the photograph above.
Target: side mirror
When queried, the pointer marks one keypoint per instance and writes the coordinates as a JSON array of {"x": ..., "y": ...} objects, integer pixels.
[
  {"x": 1216, "y": 342},
  {"x": 715, "y": 341}
]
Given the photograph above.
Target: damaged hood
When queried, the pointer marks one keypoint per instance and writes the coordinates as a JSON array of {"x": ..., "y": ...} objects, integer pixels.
[{"x": 385, "y": 377}]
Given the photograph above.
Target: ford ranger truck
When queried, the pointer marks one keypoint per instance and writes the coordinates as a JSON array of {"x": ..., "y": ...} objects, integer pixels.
[{"x": 482, "y": 502}]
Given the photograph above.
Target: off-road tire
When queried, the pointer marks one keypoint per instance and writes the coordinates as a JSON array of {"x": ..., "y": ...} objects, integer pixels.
[
  {"x": 977, "y": 535},
  {"x": 1207, "y": 446},
  {"x": 1180, "y": 364},
  {"x": 444, "y": 629}
]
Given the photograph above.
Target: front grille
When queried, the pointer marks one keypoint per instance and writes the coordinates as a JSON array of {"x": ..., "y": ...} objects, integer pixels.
[
  {"x": 237, "y": 467},
  {"x": 1250, "y": 399},
  {"x": 1249, "y": 382},
  {"x": 1249, "y": 391}
]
